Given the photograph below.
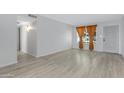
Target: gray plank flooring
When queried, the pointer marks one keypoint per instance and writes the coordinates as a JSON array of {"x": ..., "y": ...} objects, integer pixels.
[{"x": 73, "y": 63}]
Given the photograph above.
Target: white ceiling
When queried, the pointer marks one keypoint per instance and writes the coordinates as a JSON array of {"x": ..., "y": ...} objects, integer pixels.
[
  {"x": 83, "y": 19},
  {"x": 25, "y": 18}
]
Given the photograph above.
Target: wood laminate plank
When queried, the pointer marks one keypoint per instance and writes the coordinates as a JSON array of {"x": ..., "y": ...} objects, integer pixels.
[{"x": 73, "y": 63}]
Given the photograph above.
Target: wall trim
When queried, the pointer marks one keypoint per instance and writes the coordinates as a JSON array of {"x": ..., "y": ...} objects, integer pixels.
[
  {"x": 53, "y": 52},
  {"x": 8, "y": 64}
]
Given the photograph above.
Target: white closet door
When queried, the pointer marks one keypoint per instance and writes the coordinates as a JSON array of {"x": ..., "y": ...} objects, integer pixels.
[{"x": 111, "y": 39}]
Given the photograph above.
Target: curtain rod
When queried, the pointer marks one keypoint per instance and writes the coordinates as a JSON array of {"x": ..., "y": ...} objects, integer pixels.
[{"x": 87, "y": 25}]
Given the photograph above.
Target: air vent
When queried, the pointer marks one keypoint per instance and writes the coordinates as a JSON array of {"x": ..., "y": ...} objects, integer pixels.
[{"x": 30, "y": 15}]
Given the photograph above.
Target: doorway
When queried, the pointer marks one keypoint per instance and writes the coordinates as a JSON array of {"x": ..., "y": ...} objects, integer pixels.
[{"x": 111, "y": 39}]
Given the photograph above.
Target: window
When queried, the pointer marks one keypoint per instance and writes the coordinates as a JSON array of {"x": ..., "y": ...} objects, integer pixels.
[{"x": 86, "y": 37}]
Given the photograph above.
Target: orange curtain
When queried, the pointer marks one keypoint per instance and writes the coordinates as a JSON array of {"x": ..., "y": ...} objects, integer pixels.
[
  {"x": 91, "y": 30},
  {"x": 80, "y": 31}
]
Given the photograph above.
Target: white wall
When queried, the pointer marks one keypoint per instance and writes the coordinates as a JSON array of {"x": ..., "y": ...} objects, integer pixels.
[
  {"x": 23, "y": 38},
  {"x": 122, "y": 36},
  {"x": 52, "y": 36},
  {"x": 99, "y": 35},
  {"x": 8, "y": 43}
]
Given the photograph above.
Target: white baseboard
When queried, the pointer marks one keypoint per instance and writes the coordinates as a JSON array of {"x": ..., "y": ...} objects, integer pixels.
[
  {"x": 7, "y": 64},
  {"x": 29, "y": 53},
  {"x": 53, "y": 52}
]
